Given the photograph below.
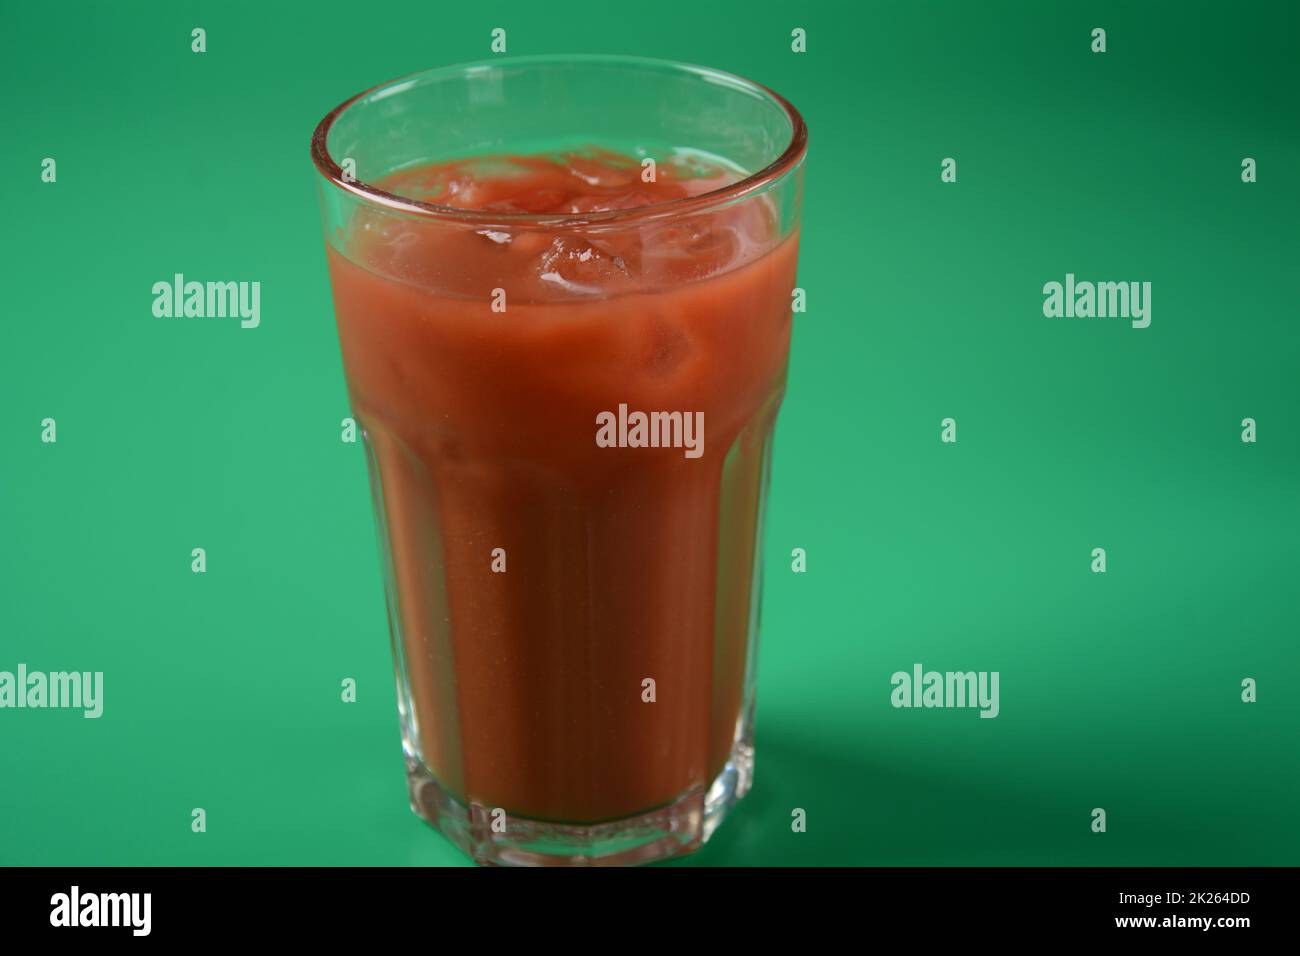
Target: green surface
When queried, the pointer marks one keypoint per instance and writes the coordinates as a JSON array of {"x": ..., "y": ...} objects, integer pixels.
[{"x": 1118, "y": 690}]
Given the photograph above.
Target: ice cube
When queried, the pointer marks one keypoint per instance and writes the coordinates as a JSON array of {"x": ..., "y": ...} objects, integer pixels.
[
  {"x": 689, "y": 249},
  {"x": 583, "y": 265},
  {"x": 607, "y": 201},
  {"x": 665, "y": 347}
]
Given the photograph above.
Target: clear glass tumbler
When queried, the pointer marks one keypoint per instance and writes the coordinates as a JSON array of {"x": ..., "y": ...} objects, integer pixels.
[{"x": 568, "y": 418}]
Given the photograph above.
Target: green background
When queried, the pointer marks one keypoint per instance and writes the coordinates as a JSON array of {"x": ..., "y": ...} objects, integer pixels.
[{"x": 1118, "y": 690}]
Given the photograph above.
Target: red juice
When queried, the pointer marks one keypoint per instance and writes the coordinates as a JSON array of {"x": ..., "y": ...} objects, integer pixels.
[{"x": 540, "y": 578}]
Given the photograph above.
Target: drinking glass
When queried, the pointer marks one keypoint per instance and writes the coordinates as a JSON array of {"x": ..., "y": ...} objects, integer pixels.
[{"x": 568, "y": 421}]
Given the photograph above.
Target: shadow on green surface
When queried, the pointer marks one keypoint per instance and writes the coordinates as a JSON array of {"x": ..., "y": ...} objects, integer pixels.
[{"x": 873, "y": 809}]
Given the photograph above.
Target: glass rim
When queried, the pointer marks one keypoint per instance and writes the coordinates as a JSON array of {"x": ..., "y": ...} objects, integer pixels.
[{"x": 755, "y": 182}]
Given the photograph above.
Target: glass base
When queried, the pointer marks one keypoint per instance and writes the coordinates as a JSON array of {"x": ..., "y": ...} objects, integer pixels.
[{"x": 674, "y": 830}]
